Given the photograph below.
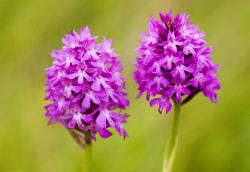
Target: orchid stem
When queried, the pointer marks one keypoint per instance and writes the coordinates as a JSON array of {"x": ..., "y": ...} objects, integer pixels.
[
  {"x": 87, "y": 153},
  {"x": 172, "y": 143}
]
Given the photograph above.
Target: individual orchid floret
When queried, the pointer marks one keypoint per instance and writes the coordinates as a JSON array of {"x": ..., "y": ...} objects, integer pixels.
[
  {"x": 119, "y": 125},
  {"x": 85, "y": 86},
  {"x": 174, "y": 61}
]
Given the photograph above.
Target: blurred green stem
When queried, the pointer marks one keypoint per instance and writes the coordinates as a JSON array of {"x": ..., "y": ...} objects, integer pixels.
[
  {"x": 172, "y": 143},
  {"x": 87, "y": 153}
]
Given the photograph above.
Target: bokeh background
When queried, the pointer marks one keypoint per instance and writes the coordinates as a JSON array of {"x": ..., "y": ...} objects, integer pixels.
[{"x": 212, "y": 137}]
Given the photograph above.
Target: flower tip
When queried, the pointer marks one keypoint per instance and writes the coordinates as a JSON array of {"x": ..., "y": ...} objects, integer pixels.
[
  {"x": 52, "y": 120},
  {"x": 151, "y": 17},
  {"x": 170, "y": 11},
  {"x": 138, "y": 96},
  {"x": 215, "y": 100},
  {"x": 125, "y": 135},
  {"x": 161, "y": 15},
  {"x": 137, "y": 48},
  {"x": 163, "y": 18}
]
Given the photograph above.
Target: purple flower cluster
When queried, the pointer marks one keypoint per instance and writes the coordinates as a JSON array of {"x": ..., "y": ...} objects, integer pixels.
[
  {"x": 174, "y": 61},
  {"x": 85, "y": 85}
]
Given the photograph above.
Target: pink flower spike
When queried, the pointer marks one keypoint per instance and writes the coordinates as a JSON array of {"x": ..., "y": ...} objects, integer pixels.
[
  {"x": 174, "y": 61},
  {"x": 85, "y": 85}
]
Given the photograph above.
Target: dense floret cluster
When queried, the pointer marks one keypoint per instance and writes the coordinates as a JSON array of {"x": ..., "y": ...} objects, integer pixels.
[
  {"x": 85, "y": 85},
  {"x": 174, "y": 61}
]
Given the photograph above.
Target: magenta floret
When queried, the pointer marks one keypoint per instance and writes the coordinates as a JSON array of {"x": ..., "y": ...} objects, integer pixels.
[
  {"x": 174, "y": 61},
  {"x": 85, "y": 85}
]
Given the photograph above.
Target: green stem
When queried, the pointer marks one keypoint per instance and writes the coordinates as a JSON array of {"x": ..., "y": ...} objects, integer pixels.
[
  {"x": 87, "y": 153},
  {"x": 172, "y": 143}
]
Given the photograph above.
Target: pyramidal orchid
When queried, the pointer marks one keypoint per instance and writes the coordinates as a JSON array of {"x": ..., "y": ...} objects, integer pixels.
[
  {"x": 174, "y": 61},
  {"x": 85, "y": 86}
]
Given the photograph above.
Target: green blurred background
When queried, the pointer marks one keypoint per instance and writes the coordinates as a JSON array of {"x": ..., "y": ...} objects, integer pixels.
[{"x": 212, "y": 137}]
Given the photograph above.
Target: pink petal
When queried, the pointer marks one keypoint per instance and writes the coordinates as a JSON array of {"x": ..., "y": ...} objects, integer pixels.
[{"x": 104, "y": 133}]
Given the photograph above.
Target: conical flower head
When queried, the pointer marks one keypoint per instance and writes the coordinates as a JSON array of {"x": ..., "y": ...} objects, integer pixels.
[
  {"x": 85, "y": 85},
  {"x": 174, "y": 61}
]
